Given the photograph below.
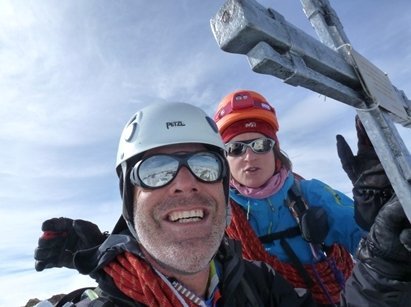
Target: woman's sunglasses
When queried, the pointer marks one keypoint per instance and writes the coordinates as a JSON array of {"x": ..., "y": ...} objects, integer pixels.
[
  {"x": 158, "y": 170},
  {"x": 259, "y": 146}
]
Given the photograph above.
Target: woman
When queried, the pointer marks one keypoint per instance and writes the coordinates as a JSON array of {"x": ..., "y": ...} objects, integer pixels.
[{"x": 303, "y": 228}]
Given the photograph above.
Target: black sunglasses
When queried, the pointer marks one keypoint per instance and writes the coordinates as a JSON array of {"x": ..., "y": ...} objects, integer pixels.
[
  {"x": 158, "y": 170},
  {"x": 259, "y": 146}
]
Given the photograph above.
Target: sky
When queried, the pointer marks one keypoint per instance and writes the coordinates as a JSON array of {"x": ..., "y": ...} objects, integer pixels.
[{"x": 73, "y": 72}]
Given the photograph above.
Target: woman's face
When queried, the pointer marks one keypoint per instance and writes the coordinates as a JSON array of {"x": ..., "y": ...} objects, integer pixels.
[{"x": 251, "y": 169}]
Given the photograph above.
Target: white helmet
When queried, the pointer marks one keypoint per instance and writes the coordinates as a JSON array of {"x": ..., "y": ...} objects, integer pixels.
[
  {"x": 160, "y": 125},
  {"x": 166, "y": 124}
]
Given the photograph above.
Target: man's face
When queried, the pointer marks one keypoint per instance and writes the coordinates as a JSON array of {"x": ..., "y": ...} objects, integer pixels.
[{"x": 181, "y": 225}]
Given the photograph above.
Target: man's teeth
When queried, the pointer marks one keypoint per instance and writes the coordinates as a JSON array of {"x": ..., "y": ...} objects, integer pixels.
[{"x": 186, "y": 216}]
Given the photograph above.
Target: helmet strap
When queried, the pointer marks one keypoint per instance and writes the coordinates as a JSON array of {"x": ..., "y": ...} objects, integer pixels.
[
  {"x": 132, "y": 230},
  {"x": 228, "y": 215},
  {"x": 127, "y": 196}
]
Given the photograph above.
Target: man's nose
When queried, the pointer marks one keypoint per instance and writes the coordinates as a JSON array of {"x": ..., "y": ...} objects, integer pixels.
[{"x": 185, "y": 181}]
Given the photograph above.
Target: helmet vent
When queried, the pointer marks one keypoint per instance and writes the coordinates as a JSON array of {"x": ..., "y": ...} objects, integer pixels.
[{"x": 130, "y": 131}]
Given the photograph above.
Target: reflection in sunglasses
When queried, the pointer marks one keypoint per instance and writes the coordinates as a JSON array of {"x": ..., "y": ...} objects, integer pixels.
[
  {"x": 259, "y": 146},
  {"x": 159, "y": 170}
]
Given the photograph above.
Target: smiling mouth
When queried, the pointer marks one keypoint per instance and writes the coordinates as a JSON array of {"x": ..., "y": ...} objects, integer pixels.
[{"x": 186, "y": 216}]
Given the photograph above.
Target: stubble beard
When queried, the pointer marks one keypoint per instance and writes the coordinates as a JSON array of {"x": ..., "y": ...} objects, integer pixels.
[{"x": 181, "y": 257}]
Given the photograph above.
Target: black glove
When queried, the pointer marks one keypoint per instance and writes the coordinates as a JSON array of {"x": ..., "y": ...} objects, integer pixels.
[
  {"x": 61, "y": 238},
  {"x": 372, "y": 188},
  {"x": 387, "y": 248}
]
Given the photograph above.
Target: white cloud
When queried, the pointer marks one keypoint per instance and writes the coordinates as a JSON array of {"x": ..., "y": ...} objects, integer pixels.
[{"x": 73, "y": 72}]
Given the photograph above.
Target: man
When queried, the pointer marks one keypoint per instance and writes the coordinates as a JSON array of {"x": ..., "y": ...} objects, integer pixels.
[
  {"x": 173, "y": 252},
  {"x": 174, "y": 184}
]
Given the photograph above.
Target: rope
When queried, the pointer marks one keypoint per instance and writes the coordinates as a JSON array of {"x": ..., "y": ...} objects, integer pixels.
[
  {"x": 136, "y": 279},
  {"x": 241, "y": 230}
]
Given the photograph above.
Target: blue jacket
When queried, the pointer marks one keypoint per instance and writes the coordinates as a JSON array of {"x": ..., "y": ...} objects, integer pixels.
[{"x": 272, "y": 214}]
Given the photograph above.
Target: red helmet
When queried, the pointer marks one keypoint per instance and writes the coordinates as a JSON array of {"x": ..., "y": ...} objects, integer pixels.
[{"x": 244, "y": 105}]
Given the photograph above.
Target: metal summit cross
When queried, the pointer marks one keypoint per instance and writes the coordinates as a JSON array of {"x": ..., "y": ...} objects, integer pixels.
[{"x": 330, "y": 67}]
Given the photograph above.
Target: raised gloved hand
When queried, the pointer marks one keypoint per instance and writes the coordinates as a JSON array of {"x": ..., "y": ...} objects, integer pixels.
[
  {"x": 61, "y": 238},
  {"x": 387, "y": 248},
  {"x": 371, "y": 186}
]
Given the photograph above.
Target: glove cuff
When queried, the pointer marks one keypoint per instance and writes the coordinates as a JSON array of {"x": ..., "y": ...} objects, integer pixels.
[
  {"x": 376, "y": 260},
  {"x": 367, "y": 204}
]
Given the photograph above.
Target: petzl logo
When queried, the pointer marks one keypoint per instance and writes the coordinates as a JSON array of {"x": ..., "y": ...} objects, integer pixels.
[{"x": 174, "y": 124}]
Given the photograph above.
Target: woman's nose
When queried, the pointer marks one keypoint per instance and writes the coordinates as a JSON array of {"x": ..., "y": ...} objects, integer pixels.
[{"x": 249, "y": 154}]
